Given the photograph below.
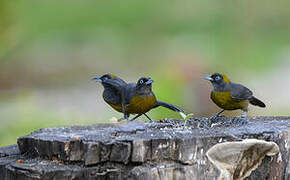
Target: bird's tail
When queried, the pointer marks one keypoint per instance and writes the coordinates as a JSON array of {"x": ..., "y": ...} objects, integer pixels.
[
  {"x": 169, "y": 106},
  {"x": 256, "y": 102}
]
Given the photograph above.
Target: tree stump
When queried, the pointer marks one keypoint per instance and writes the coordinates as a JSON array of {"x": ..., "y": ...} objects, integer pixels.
[{"x": 137, "y": 150}]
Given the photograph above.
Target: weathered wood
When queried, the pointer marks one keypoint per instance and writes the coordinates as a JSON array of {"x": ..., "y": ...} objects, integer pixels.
[{"x": 137, "y": 150}]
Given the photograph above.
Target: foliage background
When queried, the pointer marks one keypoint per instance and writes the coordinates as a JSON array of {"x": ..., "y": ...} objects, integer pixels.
[{"x": 49, "y": 51}]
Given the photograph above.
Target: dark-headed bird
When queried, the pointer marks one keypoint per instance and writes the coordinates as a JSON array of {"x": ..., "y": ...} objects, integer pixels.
[
  {"x": 231, "y": 96},
  {"x": 131, "y": 98}
]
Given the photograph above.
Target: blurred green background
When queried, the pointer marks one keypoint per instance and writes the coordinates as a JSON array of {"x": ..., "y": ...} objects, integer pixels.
[{"x": 49, "y": 51}]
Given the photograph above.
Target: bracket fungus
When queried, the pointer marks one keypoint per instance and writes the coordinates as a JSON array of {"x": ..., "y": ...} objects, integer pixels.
[{"x": 236, "y": 160}]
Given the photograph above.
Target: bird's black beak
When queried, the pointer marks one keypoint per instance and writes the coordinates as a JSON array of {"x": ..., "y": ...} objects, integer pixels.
[
  {"x": 97, "y": 79},
  {"x": 149, "y": 82},
  {"x": 207, "y": 77}
]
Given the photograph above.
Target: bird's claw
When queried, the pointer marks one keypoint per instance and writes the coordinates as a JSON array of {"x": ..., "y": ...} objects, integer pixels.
[
  {"x": 151, "y": 121},
  {"x": 239, "y": 120},
  {"x": 121, "y": 119},
  {"x": 205, "y": 124},
  {"x": 215, "y": 118}
]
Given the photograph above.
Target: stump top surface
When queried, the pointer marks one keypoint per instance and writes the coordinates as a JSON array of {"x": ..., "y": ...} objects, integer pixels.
[
  {"x": 136, "y": 150},
  {"x": 161, "y": 130}
]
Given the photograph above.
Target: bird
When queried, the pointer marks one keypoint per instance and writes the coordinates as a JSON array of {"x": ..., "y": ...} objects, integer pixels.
[
  {"x": 131, "y": 98},
  {"x": 231, "y": 96}
]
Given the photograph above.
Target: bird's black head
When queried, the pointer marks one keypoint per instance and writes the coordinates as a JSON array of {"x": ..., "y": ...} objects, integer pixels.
[
  {"x": 219, "y": 81},
  {"x": 217, "y": 78},
  {"x": 104, "y": 78},
  {"x": 144, "y": 84}
]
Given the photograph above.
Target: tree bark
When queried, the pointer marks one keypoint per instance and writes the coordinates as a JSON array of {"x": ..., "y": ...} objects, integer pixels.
[{"x": 137, "y": 150}]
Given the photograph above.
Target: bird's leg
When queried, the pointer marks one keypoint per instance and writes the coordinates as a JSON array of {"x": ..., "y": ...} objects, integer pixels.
[
  {"x": 124, "y": 106},
  {"x": 213, "y": 119},
  {"x": 244, "y": 114},
  {"x": 135, "y": 117},
  {"x": 148, "y": 118},
  {"x": 240, "y": 120},
  {"x": 216, "y": 115},
  {"x": 126, "y": 116}
]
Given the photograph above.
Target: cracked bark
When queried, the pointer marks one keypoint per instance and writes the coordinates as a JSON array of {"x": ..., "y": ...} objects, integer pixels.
[{"x": 138, "y": 150}]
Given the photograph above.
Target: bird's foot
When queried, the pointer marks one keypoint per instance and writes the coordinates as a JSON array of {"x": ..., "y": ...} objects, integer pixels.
[
  {"x": 226, "y": 122},
  {"x": 215, "y": 119},
  {"x": 150, "y": 120},
  {"x": 205, "y": 124},
  {"x": 239, "y": 120},
  {"x": 121, "y": 119}
]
